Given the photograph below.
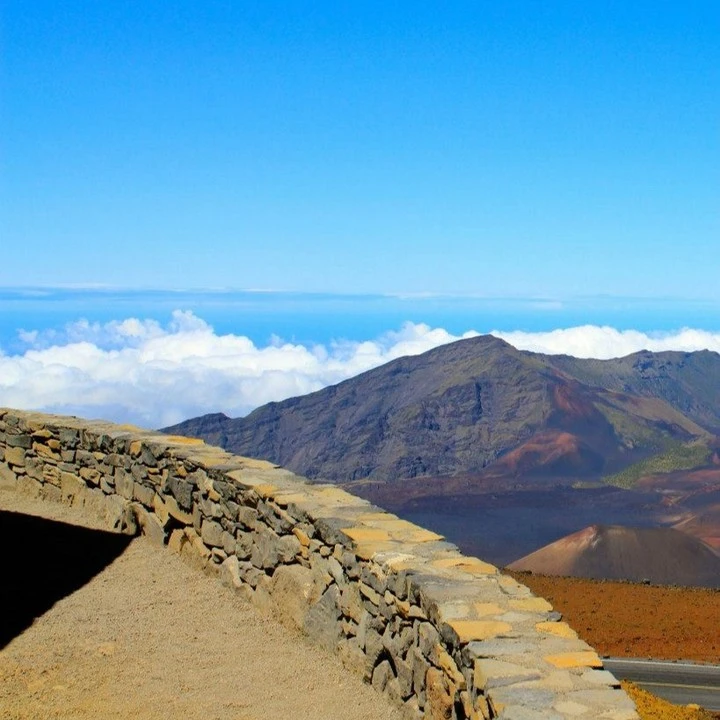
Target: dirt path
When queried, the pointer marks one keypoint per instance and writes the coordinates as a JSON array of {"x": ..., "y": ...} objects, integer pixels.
[{"x": 150, "y": 638}]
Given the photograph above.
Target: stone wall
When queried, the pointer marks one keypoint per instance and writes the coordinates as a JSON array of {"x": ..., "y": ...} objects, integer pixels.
[{"x": 444, "y": 635}]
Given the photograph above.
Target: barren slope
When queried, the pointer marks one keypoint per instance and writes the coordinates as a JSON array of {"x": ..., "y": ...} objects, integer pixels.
[{"x": 658, "y": 555}]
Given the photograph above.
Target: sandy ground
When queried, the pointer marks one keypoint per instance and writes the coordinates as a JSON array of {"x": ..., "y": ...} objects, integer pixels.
[{"x": 151, "y": 638}]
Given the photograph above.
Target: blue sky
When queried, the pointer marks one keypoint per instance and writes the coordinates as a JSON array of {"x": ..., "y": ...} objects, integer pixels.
[
  {"x": 209, "y": 205},
  {"x": 513, "y": 149}
]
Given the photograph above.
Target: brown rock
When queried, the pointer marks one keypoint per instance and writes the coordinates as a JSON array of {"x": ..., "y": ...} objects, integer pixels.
[{"x": 439, "y": 700}]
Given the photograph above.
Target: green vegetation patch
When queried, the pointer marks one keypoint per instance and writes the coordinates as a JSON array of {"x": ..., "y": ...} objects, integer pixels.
[
  {"x": 632, "y": 433},
  {"x": 675, "y": 456}
]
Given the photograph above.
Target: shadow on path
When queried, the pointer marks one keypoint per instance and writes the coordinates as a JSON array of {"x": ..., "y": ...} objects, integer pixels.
[{"x": 43, "y": 561}]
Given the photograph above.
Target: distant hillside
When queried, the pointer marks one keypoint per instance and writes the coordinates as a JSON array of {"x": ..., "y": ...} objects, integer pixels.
[
  {"x": 659, "y": 555},
  {"x": 482, "y": 409}
]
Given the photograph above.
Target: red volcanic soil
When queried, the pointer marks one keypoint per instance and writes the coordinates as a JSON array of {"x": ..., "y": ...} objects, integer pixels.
[
  {"x": 660, "y": 555},
  {"x": 569, "y": 399},
  {"x": 551, "y": 451},
  {"x": 626, "y": 619}
]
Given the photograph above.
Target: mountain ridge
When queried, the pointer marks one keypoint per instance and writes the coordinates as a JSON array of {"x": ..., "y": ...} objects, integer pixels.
[{"x": 479, "y": 406}]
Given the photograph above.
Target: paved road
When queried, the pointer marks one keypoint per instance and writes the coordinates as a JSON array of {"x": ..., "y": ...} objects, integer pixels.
[{"x": 679, "y": 682}]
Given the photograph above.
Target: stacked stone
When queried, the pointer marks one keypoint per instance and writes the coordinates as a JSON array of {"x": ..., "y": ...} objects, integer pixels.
[{"x": 444, "y": 635}]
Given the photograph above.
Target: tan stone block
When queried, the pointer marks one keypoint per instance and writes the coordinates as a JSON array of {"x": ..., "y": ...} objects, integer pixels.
[
  {"x": 482, "y": 709},
  {"x": 369, "y": 593},
  {"x": 196, "y": 541},
  {"x": 15, "y": 456},
  {"x": 530, "y": 604},
  {"x": 561, "y": 680},
  {"x": 483, "y": 609},
  {"x": 620, "y": 715},
  {"x": 366, "y": 534},
  {"x": 468, "y": 630},
  {"x": 294, "y": 590},
  {"x": 559, "y": 629},
  {"x": 46, "y": 452},
  {"x": 454, "y": 610},
  {"x": 340, "y": 497},
  {"x": 400, "y": 529},
  {"x": 575, "y": 659},
  {"x": 90, "y": 475},
  {"x": 283, "y": 500},
  {"x": 149, "y": 524},
  {"x": 399, "y": 561},
  {"x": 127, "y": 427},
  {"x": 449, "y": 667},
  {"x": 71, "y": 486},
  {"x": 439, "y": 704},
  {"x": 161, "y": 510},
  {"x": 136, "y": 448},
  {"x": 180, "y": 440},
  {"x": 176, "y": 512},
  {"x": 370, "y": 516},
  {"x": 466, "y": 701},
  {"x": 28, "y": 486},
  {"x": 216, "y": 459},
  {"x": 569, "y": 707},
  {"x": 177, "y": 540},
  {"x": 600, "y": 677},
  {"x": 419, "y": 535},
  {"x": 368, "y": 550},
  {"x": 8, "y": 479},
  {"x": 403, "y": 607},
  {"x": 471, "y": 565},
  {"x": 265, "y": 490},
  {"x": 512, "y": 587},
  {"x": 51, "y": 474},
  {"x": 302, "y": 537},
  {"x": 490, "y": 673},
  {"x": 255, "y": 464}
]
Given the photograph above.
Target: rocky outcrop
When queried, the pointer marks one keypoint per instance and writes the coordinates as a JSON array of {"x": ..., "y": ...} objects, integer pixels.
[{"x": 444, "y": 635}]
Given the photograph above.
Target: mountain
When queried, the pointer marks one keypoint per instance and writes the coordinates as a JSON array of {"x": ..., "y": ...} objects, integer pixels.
[
  {"x": 481, "y": 409},
  {"x": 505, "y": 451},
  {"x": 659, "y": 555},
  {"x": 704, "y": 524}
]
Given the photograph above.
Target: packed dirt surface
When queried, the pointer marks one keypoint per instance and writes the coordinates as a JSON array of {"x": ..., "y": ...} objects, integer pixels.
[
  {"x": 151, "y": 638},
  {"x": 625, "y": 619}
]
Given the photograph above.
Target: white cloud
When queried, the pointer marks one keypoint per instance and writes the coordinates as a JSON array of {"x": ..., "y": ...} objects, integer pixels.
[
  {"x": 138, "y": 371},
  {"x": 142, "y": 372},
  {"x": 592, "y": 341}
]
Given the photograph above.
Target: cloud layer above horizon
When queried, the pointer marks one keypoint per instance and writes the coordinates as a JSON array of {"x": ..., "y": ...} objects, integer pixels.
[{"x": 152, "y": 375}]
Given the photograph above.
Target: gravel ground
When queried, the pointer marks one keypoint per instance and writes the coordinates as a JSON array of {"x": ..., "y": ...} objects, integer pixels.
[{"x": 149, "y": 638}]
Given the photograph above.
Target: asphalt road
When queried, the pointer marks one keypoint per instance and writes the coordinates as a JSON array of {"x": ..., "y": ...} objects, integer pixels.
[{"x": 679, "y": 682}]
